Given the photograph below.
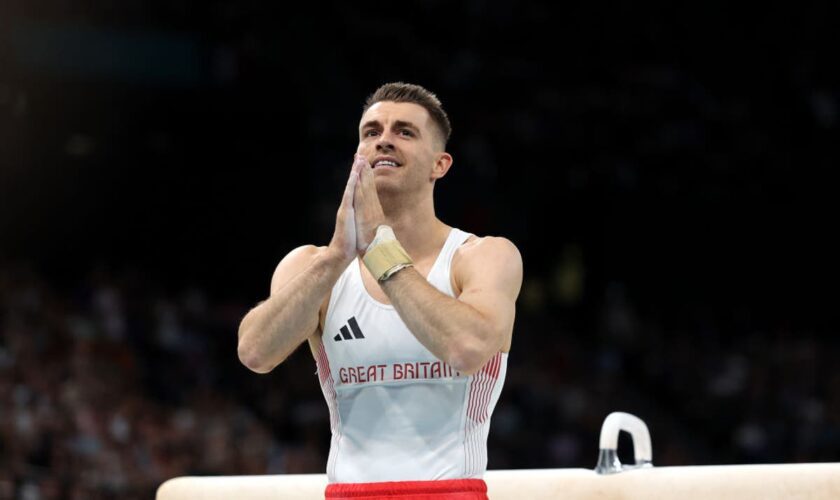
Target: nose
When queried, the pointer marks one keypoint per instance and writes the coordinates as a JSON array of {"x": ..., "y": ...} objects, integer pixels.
[{"x": 384, "y": 142}]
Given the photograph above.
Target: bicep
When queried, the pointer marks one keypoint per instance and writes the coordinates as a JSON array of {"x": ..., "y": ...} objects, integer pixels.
[
  {"x": 294, "y": 263},
  {"x": 491, "y": 277}
]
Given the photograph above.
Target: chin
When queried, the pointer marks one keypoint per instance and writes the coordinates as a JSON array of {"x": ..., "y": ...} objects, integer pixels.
[{"x": 385, "y": 185}]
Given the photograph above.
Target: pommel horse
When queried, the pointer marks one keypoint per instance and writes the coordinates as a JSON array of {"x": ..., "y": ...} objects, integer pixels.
[{"x": 609, "y": 480}]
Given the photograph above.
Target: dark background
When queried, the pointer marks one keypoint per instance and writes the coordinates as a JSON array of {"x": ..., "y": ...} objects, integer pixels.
[{"x": 664, "y": 171}]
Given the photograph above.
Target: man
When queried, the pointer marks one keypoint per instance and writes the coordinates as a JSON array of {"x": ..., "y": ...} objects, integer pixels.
[{"x": 409, "y": 320}]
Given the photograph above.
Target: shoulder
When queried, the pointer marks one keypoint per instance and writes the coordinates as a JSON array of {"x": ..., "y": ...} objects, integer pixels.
[
  {"x": 488, "y": 247},
  {"x": 491, "y": 257}
]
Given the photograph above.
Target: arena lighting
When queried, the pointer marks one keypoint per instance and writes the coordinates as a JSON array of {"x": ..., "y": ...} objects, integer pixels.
[{"x": 610, "y": 480}]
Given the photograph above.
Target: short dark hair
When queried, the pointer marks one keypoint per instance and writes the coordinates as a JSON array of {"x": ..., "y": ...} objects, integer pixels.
[{"x": 408, "y": 92}]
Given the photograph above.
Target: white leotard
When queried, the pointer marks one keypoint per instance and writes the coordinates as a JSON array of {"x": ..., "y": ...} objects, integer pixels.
[{"x": 397, "y": 412}]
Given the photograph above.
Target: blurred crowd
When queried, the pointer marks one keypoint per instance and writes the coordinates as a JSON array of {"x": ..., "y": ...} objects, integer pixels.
[
  {"x": 107, "y": 390},
  {"x": 113, "y": 385}
]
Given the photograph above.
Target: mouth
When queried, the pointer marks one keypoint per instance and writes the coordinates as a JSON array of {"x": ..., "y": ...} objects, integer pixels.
[{"x": 385, "y": 163}]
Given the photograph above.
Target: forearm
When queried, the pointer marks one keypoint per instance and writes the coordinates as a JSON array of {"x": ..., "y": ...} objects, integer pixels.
[
  {"x": 275, "y": 327},
  {"x": 452, "y": 330}
]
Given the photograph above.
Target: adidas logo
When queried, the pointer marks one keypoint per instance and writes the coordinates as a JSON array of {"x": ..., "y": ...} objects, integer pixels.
[{"x": 345, "y": 333}]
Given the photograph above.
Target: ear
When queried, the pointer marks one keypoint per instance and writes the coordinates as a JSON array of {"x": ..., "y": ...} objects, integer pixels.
[{"x": 442, "y": 163}]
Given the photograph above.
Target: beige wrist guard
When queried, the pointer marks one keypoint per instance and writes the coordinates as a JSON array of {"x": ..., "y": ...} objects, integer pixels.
[{"x": 385, "y": 256}]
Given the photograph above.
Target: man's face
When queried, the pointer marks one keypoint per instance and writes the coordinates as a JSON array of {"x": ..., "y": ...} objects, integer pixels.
[{"x": 400, "y": 142}]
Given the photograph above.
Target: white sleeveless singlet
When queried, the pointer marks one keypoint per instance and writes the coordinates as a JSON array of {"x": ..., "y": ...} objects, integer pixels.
[{"x": 397, "y": 412}]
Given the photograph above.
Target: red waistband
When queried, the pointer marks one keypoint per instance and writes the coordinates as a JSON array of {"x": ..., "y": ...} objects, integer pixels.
[{"x": 454, "y": 489}]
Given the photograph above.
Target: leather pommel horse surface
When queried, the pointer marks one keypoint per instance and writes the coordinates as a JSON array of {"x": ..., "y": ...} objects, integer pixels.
[{"x": 713, "y": 482}]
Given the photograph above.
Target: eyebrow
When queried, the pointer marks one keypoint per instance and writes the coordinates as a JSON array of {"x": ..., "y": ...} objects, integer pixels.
[
  {"x": 403, "y": 124},
  {"x": 397, "y": 124}
]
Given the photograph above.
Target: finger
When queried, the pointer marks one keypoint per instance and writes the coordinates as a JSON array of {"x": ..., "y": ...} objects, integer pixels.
[
  {"x": 350, "y": 190},
  {"x": 359, "y": 162},
  {"x": 362, "y": 164},
  {"x": 367, "y": 181},
  {"x": 359, "y": 194}
]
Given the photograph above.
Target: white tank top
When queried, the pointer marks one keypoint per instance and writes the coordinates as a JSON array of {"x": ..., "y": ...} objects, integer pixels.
[{"x": 397, "y": 412}]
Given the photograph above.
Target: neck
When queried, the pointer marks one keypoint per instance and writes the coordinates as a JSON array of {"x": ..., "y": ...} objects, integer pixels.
[{"x": 415, "y": 224}]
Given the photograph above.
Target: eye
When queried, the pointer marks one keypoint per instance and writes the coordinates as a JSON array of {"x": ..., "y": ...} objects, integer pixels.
[
  {"x": 369, "y": 133},
  {"x": 407, "y": 132}
]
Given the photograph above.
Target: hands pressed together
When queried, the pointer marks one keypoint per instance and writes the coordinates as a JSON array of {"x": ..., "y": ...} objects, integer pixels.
[{"x": 359, "y": 214}]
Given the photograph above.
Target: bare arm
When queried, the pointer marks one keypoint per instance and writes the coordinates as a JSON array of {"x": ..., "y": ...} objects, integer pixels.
[
  {"x": 303, "y": 279},
  {"x": 273, "y": 329},
  {"x": 464, "y": 332},
  {"x": 467, "y": 331}
]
